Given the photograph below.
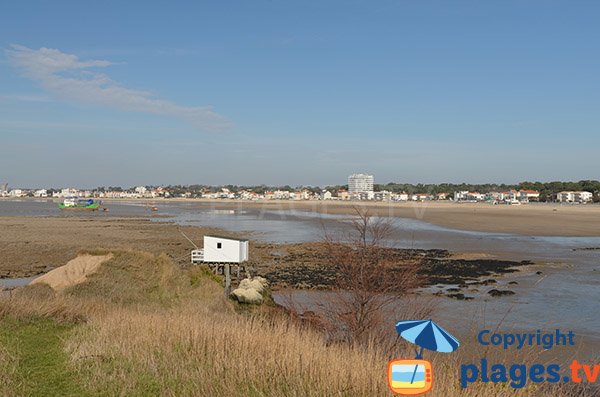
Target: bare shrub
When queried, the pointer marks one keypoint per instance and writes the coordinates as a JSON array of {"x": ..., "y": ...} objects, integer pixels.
[{"x": 367, "y": 283}]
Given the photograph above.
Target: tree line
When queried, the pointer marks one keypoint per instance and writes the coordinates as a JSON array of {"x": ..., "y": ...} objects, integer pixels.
[{"x": 547, "y": 189}]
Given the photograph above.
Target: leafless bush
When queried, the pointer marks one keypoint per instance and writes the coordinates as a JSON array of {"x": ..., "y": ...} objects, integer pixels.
[{"x": 368, "y": 283}]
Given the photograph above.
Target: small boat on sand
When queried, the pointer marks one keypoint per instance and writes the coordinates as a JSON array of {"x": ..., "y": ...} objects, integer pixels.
[{"x": 74, "y": 204}]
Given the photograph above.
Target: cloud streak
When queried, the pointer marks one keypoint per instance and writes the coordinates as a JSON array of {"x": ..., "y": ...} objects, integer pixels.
[{"x": 75, "y": 80}]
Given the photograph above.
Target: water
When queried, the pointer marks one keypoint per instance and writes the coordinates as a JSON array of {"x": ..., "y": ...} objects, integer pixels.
[
  {"x": 564, "y": 296},
  {"x": 16, "y": 282}
]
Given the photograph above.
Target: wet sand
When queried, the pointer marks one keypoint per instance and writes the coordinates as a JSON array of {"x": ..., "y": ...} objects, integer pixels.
[
  {"x": 534, "y": 219},
  {"x": 35, "y": 245}
]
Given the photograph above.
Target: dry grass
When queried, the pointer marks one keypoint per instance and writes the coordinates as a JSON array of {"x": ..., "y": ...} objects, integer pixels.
[
  {"x": 189, "y": 352},
  {"x": 146, "y": 327},
  {"x": 8, "y": 364}
]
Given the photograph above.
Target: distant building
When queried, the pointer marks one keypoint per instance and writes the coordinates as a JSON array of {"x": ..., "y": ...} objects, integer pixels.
[
  {"x": 529, "y": 195},
  {"x": 402, "y": 196},
  {"x": 40, "y": 193},
  {"x": 468, "y": 196},
  {"x": 326, "y": 195},
  {"x": 360, "y": 183},
  {"x": 343, "y": 194},
  {"x": 363, "y": 196},
  {"x": 382, "y": 196},
  {"x": 574, "y": 197},
  {"x": 421, "y": 197},
  {"x": 281, "y": 194},
  {"x": 3, "y": 188},
  {"x": 69, "y": 192}
]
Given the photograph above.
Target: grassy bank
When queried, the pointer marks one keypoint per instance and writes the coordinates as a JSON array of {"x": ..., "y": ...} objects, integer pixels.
[
  {"x": 35, "y": 358},
  {"x": 143, "y": 326}
]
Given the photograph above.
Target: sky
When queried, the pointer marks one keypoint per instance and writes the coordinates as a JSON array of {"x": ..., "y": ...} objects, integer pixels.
[{"x": 298, "y": 92}]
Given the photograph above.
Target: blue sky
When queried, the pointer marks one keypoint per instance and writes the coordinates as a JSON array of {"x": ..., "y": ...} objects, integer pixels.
[{"x": 298, "y": 92}]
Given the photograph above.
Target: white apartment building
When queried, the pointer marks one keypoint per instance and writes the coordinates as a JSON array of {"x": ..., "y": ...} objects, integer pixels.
[
  {"x": 402, "y": 196},
  {"x": 574, "y": 197},
  {"x": 360, "y": 183},
  {"x": 382, "y": 196},
  {"x": 529, "y": 195},
  {"x": 40, "y": 193},
  {"x": 69, "y": 192},
  {"x": 468, "y": 196}
]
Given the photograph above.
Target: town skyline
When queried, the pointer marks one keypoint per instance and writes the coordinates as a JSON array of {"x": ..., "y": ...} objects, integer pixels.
[{"x": 360, "y": 187}]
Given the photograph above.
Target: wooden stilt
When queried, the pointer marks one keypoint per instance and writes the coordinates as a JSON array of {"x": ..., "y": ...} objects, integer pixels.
[{"x": 227, "y": 280}]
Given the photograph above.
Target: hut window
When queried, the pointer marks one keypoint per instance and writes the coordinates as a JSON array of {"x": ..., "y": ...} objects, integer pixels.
[{"x": 219, "y": 245}]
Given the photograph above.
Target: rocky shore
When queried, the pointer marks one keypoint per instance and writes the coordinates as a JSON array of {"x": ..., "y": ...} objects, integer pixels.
[{"x": 304, "y": 266}]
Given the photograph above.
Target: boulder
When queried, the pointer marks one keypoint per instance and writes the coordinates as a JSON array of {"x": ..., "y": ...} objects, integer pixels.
[
  {"x": 257, "y": 283},
  {"x": 249, "y": 295},
  {"x": 250, "y": 290}
]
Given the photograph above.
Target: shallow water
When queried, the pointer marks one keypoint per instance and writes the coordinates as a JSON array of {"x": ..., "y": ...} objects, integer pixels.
[{"x": 16, "y": 282}]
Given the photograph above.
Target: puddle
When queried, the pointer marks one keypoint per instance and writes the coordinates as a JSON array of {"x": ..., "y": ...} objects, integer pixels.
[{"x": 16, "y": 282}]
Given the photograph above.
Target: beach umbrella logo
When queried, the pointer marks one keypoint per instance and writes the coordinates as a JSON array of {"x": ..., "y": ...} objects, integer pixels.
[{"x": 411, "y": 377}]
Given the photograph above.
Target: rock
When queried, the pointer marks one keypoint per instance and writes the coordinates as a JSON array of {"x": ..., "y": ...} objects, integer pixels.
[
  {"x": 460, "y": 297},
  {"x": 495, "y": 292},
  {"x": 513, "y": 283},
  {"x": 538, "y": 273},
  {"x": 251, "y": 290},
  {"x": 257, "y": 283},
  {"x": 250, "y": 296}
]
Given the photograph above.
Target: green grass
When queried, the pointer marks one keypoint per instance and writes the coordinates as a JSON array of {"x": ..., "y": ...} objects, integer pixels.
[
  {"x": 202, "y": 272},
  {"x": 40, "y": 363},
  {"x": 134, "y": 278}
]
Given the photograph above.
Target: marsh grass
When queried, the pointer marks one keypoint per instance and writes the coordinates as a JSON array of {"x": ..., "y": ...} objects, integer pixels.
[{"x": 143, "y": 326}]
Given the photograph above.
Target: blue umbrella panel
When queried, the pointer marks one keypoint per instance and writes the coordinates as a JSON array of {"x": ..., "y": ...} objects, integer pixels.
[{"x": 427, "y": 335}]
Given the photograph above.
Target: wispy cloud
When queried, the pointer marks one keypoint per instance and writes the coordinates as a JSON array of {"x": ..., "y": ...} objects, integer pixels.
[{"x": 75, "y": 80}]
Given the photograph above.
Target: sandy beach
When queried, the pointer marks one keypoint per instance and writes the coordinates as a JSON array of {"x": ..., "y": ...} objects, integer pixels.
[{"x": 535, "y": 219}]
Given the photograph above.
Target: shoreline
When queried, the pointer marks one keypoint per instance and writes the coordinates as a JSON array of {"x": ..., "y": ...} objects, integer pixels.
[
  {"x": 534, "y": 219},
  {"x": 35, "y": 245}
]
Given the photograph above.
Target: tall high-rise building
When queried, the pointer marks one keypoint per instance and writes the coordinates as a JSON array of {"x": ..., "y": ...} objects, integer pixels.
[
  {"x": 360, "y": 183},
  {"x": 3, "y": 187}
]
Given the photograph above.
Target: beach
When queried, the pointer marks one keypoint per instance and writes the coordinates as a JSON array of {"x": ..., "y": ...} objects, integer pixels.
[
  {"x": 534, "y": 219},
  {"x": 284, "y": 248}
]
